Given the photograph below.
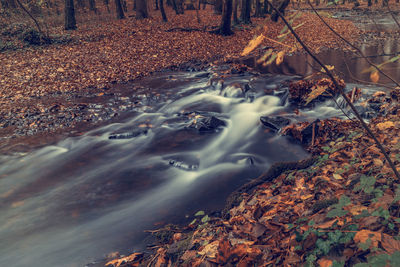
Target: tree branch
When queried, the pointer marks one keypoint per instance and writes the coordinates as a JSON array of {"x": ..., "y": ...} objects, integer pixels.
[
  {"x": 352, "y": 46},
  {"x": 335, "y": 82}
]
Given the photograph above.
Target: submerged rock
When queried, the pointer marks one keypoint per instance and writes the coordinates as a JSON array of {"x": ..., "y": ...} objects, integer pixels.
[
  {"x": 183, "y": 165},
  {"x": 209, "y": 124},
  {"x": 128, "y": 135},
  {"x": 274, "y": 123}
]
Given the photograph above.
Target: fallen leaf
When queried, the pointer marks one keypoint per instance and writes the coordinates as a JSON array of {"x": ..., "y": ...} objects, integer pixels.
[
  {"x": 324, "y": 262},
  {"x": 390, "y": 244},
  {"x": 363, "y": 235},
  {"x": 385, "y": 125},
  {"x": 374, "y": 77}
]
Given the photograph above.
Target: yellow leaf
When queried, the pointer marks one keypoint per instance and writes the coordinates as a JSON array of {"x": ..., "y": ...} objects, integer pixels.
[
  {"x": 385, "y": 125},
  {"x": 356, "y": 209},
  {"x": 253, "y": 44},
  {"x": 374, "y": 77},
  {"x": 337, "y": 176},
  {"x": 60, "y": 69},
  {"x": 316, "y": 92},
  {"x": 378, "y": 162},
  {"x": 279, "y": 58},
  {"x": 210, "y": 250},
  {"x": 329, "y": 67}
]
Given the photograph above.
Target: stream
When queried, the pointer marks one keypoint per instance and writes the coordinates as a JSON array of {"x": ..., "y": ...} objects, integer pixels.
[{"x": 187, "y": 143}]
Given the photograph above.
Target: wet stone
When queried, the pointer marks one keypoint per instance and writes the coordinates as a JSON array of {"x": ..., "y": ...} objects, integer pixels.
[
  {"x": 209, "y": 124},
  {"x": 128, "y": 135},
  {"x": 274, "y": 123},
  {"x": 183, "y": 165}
]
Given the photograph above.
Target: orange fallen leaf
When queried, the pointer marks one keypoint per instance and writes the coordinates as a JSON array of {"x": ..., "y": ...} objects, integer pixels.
[
  {"x": 374, "y": 77},
  {"x": 324, "y": 262},
  {"x": 128, "y": 259},
  {"x": 363, "y": 235},
  {"x": 385, "y": 125}
]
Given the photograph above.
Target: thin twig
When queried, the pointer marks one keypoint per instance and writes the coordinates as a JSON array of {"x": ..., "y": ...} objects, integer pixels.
[
  {"x": 30, "y": 15},
  {"x": 335, "y": 82},
  {"x": 380, "y": 55},
  {"x": 352, "y": 46},
  {"x": 394, "y": 18}
]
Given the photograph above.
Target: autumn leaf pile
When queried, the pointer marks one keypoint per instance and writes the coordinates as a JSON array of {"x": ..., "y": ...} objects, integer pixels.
[
  {"x": 344, "y": 209},
  {"x": 119, "y": 51}
]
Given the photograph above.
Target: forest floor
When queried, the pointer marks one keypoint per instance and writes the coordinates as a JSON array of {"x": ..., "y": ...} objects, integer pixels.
[
  {"x": 341, "y": 207},
  {"x": 48, "y": 89}
]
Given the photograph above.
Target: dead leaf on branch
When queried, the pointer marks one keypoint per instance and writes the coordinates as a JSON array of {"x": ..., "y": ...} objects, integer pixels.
[
  {"x": 253, "y": 44},
  {"x": 374, "y": 77},
  {"x": 279, "y": 58}
]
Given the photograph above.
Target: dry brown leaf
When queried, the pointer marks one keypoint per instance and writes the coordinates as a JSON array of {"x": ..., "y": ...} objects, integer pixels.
[
  {"x": 326, "y": 225},
  {"x": 128, "y": 259},
  {"x": 390, "y": 244}
]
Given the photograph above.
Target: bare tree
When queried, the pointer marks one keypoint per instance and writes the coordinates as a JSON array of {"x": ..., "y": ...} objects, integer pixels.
[
  {"x": 245, "y": 13},
  {"x": 218, "y": 7},
  {"x": 92, "y": 6},
  {"x": 258, "y": 12},
  {"x": 225, "y": 28},
  {"x": 118, "y": 9},
  {"x": 69, "y": 15},
  {"x": 235, "y": 12},
  {"x": 141, "y": 9},
  {"x": 164, "y": 16}
]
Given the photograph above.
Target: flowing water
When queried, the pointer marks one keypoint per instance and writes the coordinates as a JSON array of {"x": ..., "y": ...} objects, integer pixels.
[{"x": 73, "y": 202}]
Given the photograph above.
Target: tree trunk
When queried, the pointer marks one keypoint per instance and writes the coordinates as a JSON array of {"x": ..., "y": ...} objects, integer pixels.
[
  {"x": 134, "y": 5},
  {"x": 385, "y": 3},
  {"x": 118, "y": 9},
  {"x": 156, "y": 2},
  {"x": 141, "y": 9},
  {"x": 258, "y": 13},
  {"x": 92, "y": 6},
  {"x": 107, "y": 4},
  {"x": 265, "y": 7},
  {"x": 369, "y": 2},
  {"x": 225, "y": 28},
  {"x": 245, "y": 12},
  {"x": 69, "y": 15},
  {"x": 164, "y": 16},
  {"x": 235, "y": 13},
  {"x": 218, "y": 7},
  {"x": 281, "y": 7}
]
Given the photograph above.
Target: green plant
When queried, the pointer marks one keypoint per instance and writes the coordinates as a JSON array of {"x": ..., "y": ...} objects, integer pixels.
[{"x": 337, "y": 209}]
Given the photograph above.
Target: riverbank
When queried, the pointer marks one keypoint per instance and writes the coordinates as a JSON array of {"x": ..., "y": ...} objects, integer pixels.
[
  {"x": 50, "y": 91},
  {"x": 340, "y": 208}
]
